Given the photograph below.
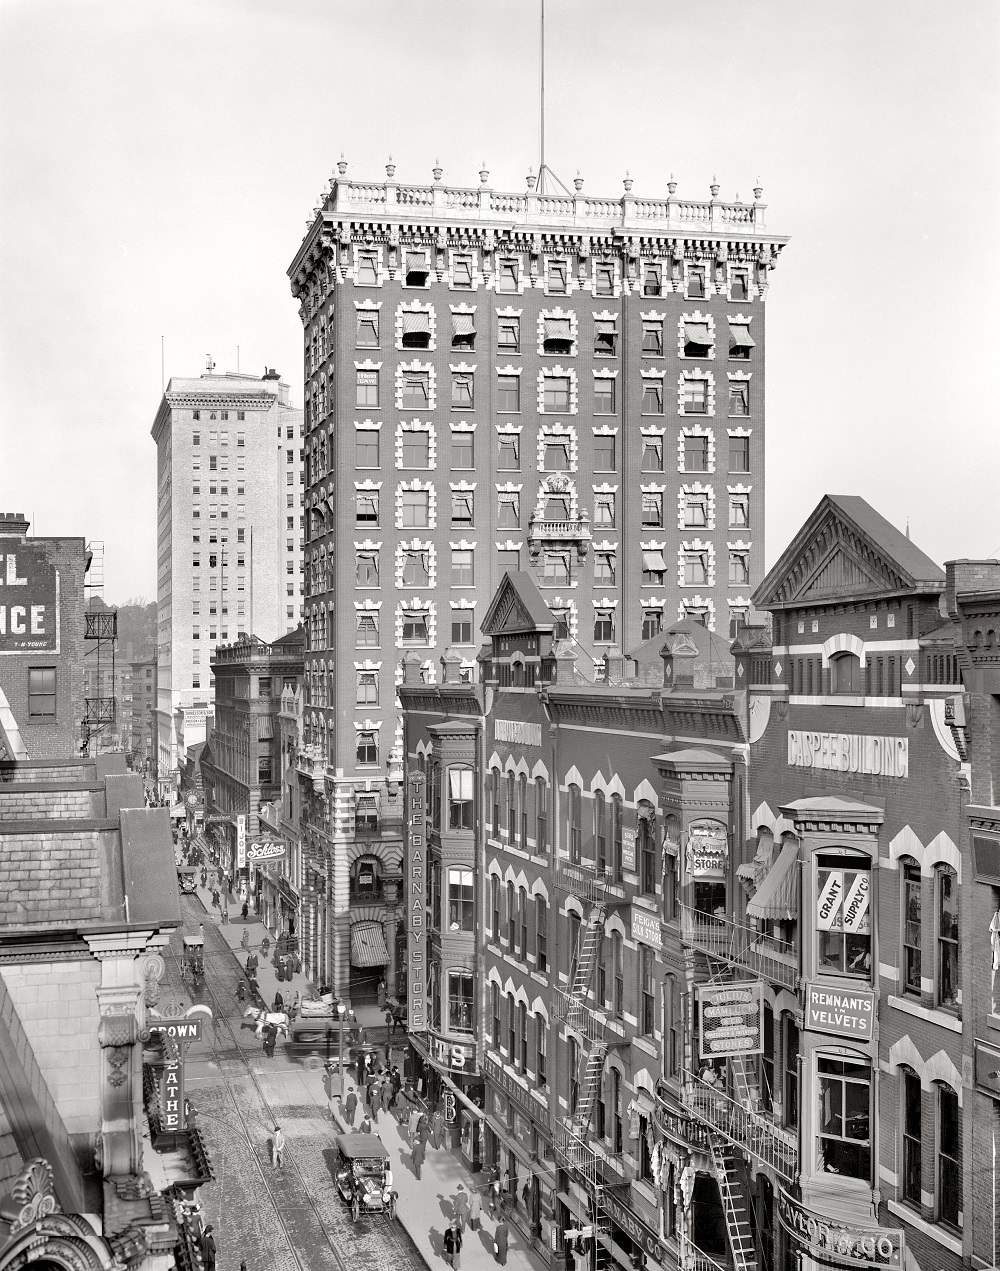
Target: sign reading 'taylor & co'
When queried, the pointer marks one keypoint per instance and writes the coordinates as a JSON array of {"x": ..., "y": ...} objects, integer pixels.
[
  {"x": 841, "y": 1012},
  {"x": 837, "y": 1242},
  {"x": 849, "y": 752}
]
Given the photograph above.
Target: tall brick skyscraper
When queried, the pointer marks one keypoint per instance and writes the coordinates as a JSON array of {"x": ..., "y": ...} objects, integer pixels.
[{"x": 494, "y": 382}]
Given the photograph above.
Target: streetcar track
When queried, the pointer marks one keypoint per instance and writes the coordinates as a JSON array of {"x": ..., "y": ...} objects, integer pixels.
[{"x": 397, "y": 1238}]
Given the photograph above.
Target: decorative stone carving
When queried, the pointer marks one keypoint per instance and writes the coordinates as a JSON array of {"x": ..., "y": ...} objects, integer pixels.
[{"x": 34, "y": 1194}]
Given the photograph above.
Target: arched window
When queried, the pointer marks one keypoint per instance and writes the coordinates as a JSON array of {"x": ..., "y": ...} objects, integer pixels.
[
  {"x": 618, "y": 974},
  {"x": 541, "y": 934},
  {"x": 574, "y": 1075},
  {"x": 541, "y": 817},
  {"x": 511, "y": 807},
  {"x": 911, "y": 885},
  {"x": 495, "y": 910},
  {"x": 949, "y": 1157},
  {"x": 511, "y": 916},
  {"x": 616, "y": 837},
  {"x": 366, "y": 880},
  {"x": 946, "y": 881},
  {"x": 847, "y": 675},
  {"x": 522, "y": 812},
  {"x": 575, "y": 827},
  {"x": 522, "y": 923},
  {"x": 495, "y": 802},
  {"x": 521, "y": 1059},
  {"x": 600, "y": 831},
  {"x": 911, "y": 1124},
  {"x": 511, "y": 1028},
  {"x": 647, "y": 849},
  {"x": 573, "y": 926}
]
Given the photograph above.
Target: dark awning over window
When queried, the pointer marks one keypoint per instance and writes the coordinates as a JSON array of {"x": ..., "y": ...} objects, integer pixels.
[
  {"x": 558, "y": 329},
  {"x": 696, "y": 333},
  {"x": 265, "y": 727},
  {"x": 416, "y": 263},
  {"x": 605, "y": 326},
  {"x": 368, "y": 945},
  {"x": 463, "y": 323},
  {"x": 777, "y": 898},
  {"x": 739, "y": 338}
]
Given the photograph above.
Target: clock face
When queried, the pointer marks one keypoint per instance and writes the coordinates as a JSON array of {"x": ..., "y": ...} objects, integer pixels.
[{"x": 760, "y": 713}]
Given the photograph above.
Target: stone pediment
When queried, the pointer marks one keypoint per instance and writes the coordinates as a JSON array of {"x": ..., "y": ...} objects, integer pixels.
[
  {"x": 846, "y": 550},
  {"x": 516, "y": 608}
]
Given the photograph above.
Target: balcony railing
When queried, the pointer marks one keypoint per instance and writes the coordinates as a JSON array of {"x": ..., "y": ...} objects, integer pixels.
[
  {"x": 724, "y": 938},
  {"x": 694, "y": 1259},
  {"x": 581, "y": 1016},
  {"x": 681, "y": 1125},
  {"x": 748, "y": 1130}
]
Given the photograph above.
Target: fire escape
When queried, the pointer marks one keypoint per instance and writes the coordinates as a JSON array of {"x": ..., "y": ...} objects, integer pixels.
[
  {"x": 576, "y": 1009},
  {"x": 736, "y": 1121}
]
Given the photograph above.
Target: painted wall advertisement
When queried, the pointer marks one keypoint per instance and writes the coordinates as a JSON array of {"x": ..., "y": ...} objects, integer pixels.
[
  {"x": 847, "y": 1245},
  {"x": 844, "y": 1013},
  {"x": 646, "y": 927},
  {"x": 707, "y": 850},
  {"x": 29, "y": 599},
  {"x": 731, "y": 1019},
  {"x": 416, "y": 903}
]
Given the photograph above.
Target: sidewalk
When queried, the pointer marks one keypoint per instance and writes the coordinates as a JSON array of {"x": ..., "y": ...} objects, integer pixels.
[{"x": 426, "y": 1206}]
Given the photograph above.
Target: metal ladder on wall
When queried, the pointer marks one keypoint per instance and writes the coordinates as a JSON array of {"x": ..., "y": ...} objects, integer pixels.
[
  {"x": 738, "y": 1225},
  {"x": 746, "y": 1086}
]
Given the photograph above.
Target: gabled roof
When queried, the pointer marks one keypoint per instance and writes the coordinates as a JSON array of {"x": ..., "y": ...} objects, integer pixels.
[
  {"x": 517, "y": 607},
  {"x": 847, "y": 550}
]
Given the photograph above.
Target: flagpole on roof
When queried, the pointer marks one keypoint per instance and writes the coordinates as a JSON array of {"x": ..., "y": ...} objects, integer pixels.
[{"x": 545, "y": 173}]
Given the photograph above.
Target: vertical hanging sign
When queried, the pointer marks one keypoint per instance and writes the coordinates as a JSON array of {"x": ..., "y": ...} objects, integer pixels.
[
  {"x": 416, "y": 903},
  {"x": 241, "y": 841},
  {"x": 172, "y": 1095}
]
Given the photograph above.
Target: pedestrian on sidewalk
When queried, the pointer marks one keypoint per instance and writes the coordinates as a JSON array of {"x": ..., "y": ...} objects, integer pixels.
[
  {"x": 245, "y": 911},
  {"x": 400, "y": 1105},
  {"x": 366, "y": 1126},
  {"x": 526, "y": 1195},
  {"x": 414, "y": 1122},
  {"x": 461, "y": 1206},
  {"x": 241, "y": 990},
  {"x": 350, "y": 1107},
  {"x": 375, "y": 1099},
  {"x": 500, "y": 1240},
  {"x": 278, "y": 1147},
  {"x": 270, "y": 1038},
  {"x": 423, "y": 1130},
  {"x": 245, "y": 939},
  {"x": 207, "y": 1243},
  {"x": 417, "y": 1154},
  {"x": 225, "y": 914},
  {"x": 396, "y": 1077},
  {"x": 495, "y": 1192},
  {"x": 293, "y": 1012},
  {"x": 475, "y": 1209},
  {"x": 279, "y": 1002},
  {"x": 215, "y": 898},
  {"x": 453, "y": 1245},
  {"x": 265, "y": 945},
  {"x": 381, "y": 994},
  {"x": 437, "y": 1127},
  {"x": 361, "y": 1071}
]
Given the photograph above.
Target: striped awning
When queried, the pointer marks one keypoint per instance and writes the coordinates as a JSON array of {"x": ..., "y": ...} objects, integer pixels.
[
  {"x": 605, "y": 326},
  {"x": 653, "y": 561},
  {"x": 696, "y": 333},
  {"x": 265, "y": 727},
  {"x": 777, "y": 898},
  {"x": 557, "y": 329},
  {"x": 463, "y": 323},
  {"x": 740, "y": 338},
  {"x": 416, "y": 321},
  {"x": 416, "y": 263},
  {"x": 368, "y": 945}
]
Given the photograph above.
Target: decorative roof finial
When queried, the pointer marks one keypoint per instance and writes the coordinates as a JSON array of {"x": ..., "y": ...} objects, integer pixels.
[
  {"x": 627, "y": 182},
  {"x": 484, "y": 173},
  {"x": 341, "y": 164},
  {"x": 437, "y": 169},
  {"x": 758, "y": 190},
  {"x": 578, "y": 182},
  {"x": 714, "y": 187},
  {"x": 671, "y": 184},
  {"x": 390, "y": 169},
  {"x": 531, "y": 178}
]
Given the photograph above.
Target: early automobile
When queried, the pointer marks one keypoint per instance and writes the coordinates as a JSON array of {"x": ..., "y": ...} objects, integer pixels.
[
  {"x": 362, "y": 1175},
  {"x": 316, "y": 1040},
  {"x": 194, "y": 958},
  {"x": 186, "y": 875}
]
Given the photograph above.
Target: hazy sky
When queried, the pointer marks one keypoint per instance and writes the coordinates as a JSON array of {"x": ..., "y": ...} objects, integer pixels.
[{"x": 158, "y": 162}]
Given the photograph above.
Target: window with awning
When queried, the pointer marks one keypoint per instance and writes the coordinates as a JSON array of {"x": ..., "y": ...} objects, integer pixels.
[
  {"x": 777, "y": 898},
  {"x": 417, "y": 269},
  {"x": 740, "y": 341},
  {"x": 368, "y": 947},
  {"x": 416, "y": 329},
  {"x": 265, "y": 727},
  {"x": 605, "y": 337},
  {"x": 557, "y": 335},
  {"x": 463, "y": 330}
]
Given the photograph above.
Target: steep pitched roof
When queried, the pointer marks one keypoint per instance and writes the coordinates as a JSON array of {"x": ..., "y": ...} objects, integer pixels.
[
  {"x": 846, "y": 549},
  {"x": 517, "y": 607}
]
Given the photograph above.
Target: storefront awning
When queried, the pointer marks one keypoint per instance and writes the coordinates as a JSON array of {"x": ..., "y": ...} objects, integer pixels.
[
  {"x": 368, "y": 945},
  {"x": 777, "y": 898}
]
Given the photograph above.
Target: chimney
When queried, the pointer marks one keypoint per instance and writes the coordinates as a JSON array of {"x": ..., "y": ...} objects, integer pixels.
[
  {"x": 614, "y": 665},
  {"x": 15, "y": 523},
  {"x": 565, "y": 656},
  {"x": 411, "y": 669},
  {"x": 451, "y": 667}
]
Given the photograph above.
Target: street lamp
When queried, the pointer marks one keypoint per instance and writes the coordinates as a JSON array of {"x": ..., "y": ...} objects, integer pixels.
[{"x": 341, "y": 1010}]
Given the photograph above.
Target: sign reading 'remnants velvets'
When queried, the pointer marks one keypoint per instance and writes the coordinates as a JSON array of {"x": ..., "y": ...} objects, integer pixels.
[
  {"x": 29, "y": 599},
  {"x": 840, "y": 1012}
]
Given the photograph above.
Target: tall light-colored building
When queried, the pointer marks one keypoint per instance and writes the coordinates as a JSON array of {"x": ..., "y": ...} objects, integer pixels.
[{"x": 229, "y": 536}]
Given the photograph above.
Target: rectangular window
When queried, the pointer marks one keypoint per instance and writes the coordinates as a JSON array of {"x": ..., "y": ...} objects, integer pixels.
[
  {"x": 461, "y": 894},
  {"x": 604, "y": 626},
  {"x": 652, "y": 454},
  {"x": 652, "y": 279},
  {"x": 507, "y": 276},
  {"x": 791, "y": 1066},
  {"x": 654, "y": 568},
  {"x": 739, "y": 398},
  {"x": 367, "y": 636},
  {"x": 462, "y": 567},
  {"x": 463, "y": 331},
  {"x": 912, "y": 885},
  {"x": 541, "y": 817},
  {"x": 740, "y": 342},
  {"x": 739, "y": 568},
  {"x": 508, "y": 335},
  {"x": 462, "y": 450},
  {"x": 604, "y": 278},
  {"x": 462, "y": 507},
  {"x": 462, "y": 389},
  {"x": 461, "y": 272},
  {"x": 366, "y": 507},
  {"x": 366, "y": 568},
  {"x": 949, "y": 1164},
  {"x": 845, "y": 1116},
  {"x": 556, "y": 275},
  {"x": 509, "y": 456},
  {"x": 556, "y": 454},
  {"x": 652, "y": 623},
  {"x": 416, "y": 569},
  {"x": 739, "y": 511},
  {"x": 367, "y": 269},
  {"x": 605, "y": 337},
  {"x": 555, "y": 395},
  {"x": 843, "y": 886},
  {"x": 652, "y": 397},
  {"x": 508, "y": 394},
  {"x": 695, "y": 454},
  {"x": 696, "y": 282},
  {"x": 695, "y": 510},
  {"x": 604, "y": 568},
  {"x": 367, "y": 688},
  {"x": 652, "y": 338},
  {"x": 367, "y": 747},
  {"x": 912, "y": 1137},
  {"x": 416, "y": 390},
  {"x": 652, "y": 509},
  {"x": 417, "y": 269},
  {"x": 414, "y": 508},
  {"x": 416, "y": 329},
  {"x": 604, "y": 509},
  {"x": 555, "y": 568},
  {"x": 647, "y": 1020},
  {"x": 508, "y": 511},
  {"x": 41, "y": 693},
  {"x": 947, "y": 968},
  {"x": 367, "y": 335},
  {"x": 416, "y": 449},
  {"x": 694, "y": 397},
  {"x": 738, "y": 285},
  {"x": 366, "y": 448},
  {"x": 604, "y": 396},
  {"x": 414, "y": 627},
  {"x": 461, "y": 627},
  {"x": 366, "y": 393}
]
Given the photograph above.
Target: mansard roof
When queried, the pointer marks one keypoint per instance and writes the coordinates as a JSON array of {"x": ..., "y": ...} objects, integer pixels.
[
  {"x": 517, "y": 607},
  {"x": 847, "y": 551}
]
